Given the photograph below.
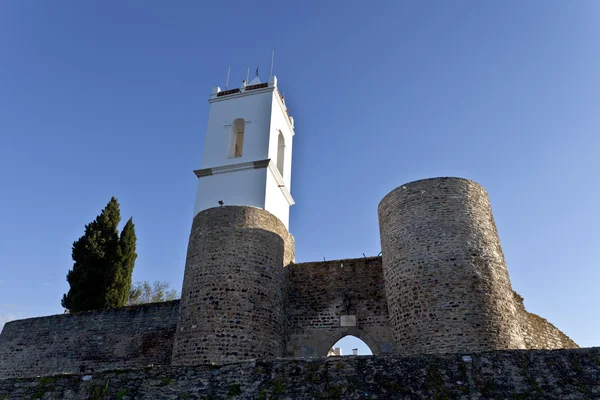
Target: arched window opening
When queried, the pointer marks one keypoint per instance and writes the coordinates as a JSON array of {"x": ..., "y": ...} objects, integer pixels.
[
  {"x": 236, "y": 143},
  {"x": 280, "y": 152},
  {"x": 349, "y": 346}
]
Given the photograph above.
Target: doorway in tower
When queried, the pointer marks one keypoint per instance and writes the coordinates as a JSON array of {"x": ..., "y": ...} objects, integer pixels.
[{"x": 349, "y": 346}]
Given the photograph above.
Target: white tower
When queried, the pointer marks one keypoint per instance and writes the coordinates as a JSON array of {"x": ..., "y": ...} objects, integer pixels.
[{"x": 247, "y": 157}]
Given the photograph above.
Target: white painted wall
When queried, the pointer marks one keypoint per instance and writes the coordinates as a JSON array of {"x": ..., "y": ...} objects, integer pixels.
[
  {"x": 275, "y": 201},
  {"x": 255, "y": 109},
  {"x": 246, "y": 188},
  {"x": 280, "y": 122},
  {"x": 265, "y": 116}
]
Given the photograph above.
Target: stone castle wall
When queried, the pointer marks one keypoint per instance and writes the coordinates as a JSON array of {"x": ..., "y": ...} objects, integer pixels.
[
  {"x": 441, "y": 286},
  {"x": 538, "y": 333},
  {"x": 332, "y": 299},
  {"x": 232, "y": 301},
  {"x": 129, "y": 337},
  {"x": 507, "y": 374},
  {"x": 139, "y": 336},
  {"x": 446, "y": 279}
]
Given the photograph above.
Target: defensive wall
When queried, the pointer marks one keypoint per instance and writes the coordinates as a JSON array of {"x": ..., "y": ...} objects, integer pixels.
[
  {"x": 441, "y": 286},
  {"x": 128, "y": 337},
  {"x": 504, "y": 374},
  {"x": 139, "y": 336}
]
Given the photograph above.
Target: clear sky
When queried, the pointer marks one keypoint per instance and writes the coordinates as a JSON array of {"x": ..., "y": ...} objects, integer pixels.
[{"x": 109, "y": 98}]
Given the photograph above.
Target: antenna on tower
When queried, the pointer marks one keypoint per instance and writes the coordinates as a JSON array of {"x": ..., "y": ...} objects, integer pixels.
[
  {"x": 227, "y": 81},
  {"x": 272, "y": 59}
]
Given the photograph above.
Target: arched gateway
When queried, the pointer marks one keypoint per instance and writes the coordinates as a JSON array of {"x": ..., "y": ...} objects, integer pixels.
[
  {"x": 337, "y": 342},
  {"x": 332, "y": 299}
]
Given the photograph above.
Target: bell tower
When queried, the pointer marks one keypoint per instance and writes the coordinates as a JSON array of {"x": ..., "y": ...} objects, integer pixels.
[
  {"x": 233, "y": 294},
  {"x": 247, "y": 155}
]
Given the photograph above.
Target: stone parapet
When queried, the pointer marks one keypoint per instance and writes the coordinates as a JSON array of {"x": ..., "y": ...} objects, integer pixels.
[{"x": 509, "y": 374}]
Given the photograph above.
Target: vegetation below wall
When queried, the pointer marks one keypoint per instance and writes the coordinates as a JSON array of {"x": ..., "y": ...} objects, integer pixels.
[{"x": 513, "y": 374}]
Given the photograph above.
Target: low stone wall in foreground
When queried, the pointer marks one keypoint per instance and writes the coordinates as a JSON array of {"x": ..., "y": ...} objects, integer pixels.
[
  {"x": 510, "y": 374},
  {"x": 126, "y": 337}
]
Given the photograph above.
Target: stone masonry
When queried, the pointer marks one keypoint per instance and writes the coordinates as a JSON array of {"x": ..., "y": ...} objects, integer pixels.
[
  {"x": 505, "y": 374},
  {"x": 328, "y": 300},
  {"x": 440, "y": 286},
  {"x": 446, "y": 280},
  {"x": 127, "y": 337},
  {"x": 142, "y": 336},
  {"x": 233, "y": 290},
  {"x": 537, "y": 332}
]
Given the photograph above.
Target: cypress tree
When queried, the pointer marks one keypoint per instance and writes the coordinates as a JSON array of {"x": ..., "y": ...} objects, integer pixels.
[
  {"x": 125, "y": 261},
  {"x": 100, "y": 258}
]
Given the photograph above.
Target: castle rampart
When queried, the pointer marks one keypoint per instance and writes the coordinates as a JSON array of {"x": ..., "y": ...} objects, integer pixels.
[
  {"x": 441, "y": 286},
  {"x": 446, "y": 280},
  {"x": 139, "y": 336},
  {"x": 128, "y": 337},
  {"x": 233, "y": 289}
]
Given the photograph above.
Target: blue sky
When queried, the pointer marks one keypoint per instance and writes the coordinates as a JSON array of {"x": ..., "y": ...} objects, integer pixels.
[{"x": 107, "y": 98}]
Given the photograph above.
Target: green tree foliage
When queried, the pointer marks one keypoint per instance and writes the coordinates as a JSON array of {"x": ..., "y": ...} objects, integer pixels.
[
  {"x": 144, "y": 292},
  {"x": 101, "y": 274},
  {"x": 125, "y": 261}
]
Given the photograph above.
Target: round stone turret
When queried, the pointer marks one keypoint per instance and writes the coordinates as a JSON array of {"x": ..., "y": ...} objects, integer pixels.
[
  {"x": 232, "y": 301},
  {"x": 445, "y": 275}
]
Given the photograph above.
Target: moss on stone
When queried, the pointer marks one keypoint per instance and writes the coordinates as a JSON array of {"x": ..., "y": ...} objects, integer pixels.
[
  {"x": 235, "y": 390},
  {"x": 97, "y": 391},
  {"x": 45, "y": 384},
  {"x": 435, "y": 384},
  {"x": 120, "y": 394},
  {"x": 335, "y": 392},
  {"x": 278, "y": 386},
  {"x": 312, "y": 366},
  {"x": 262, "y": 395},
  {"x": 46, "y": 380}
]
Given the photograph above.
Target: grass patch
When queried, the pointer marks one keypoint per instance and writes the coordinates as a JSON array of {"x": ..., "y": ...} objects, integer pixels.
[{"x": 166, "y": 381}]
